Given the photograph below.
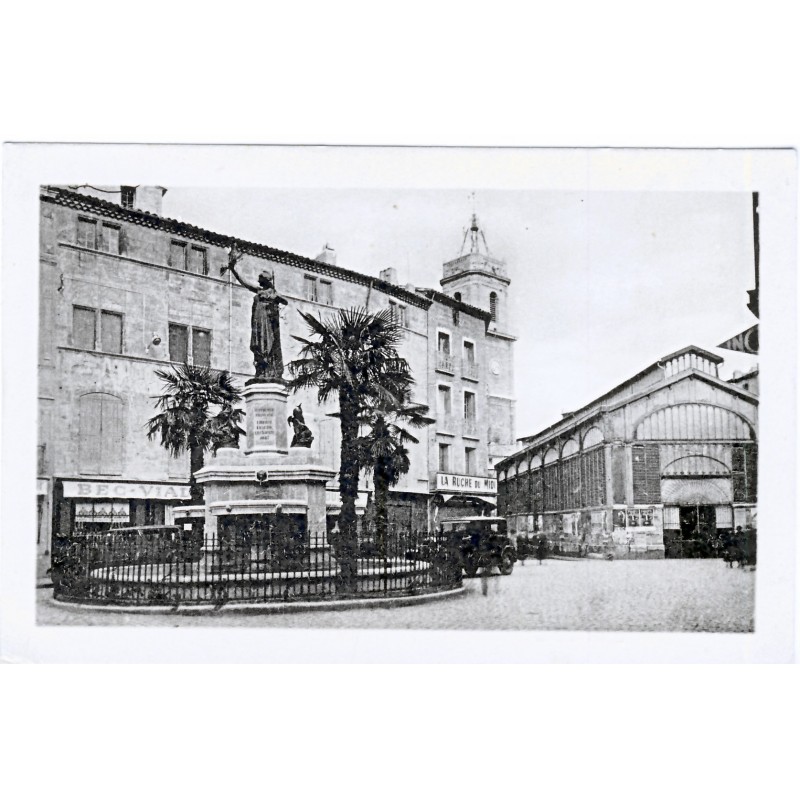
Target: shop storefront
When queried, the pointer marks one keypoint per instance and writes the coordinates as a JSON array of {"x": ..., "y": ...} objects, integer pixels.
[
  {"x": 101, "y": 505},
  {"x": 456, "y": 495}
]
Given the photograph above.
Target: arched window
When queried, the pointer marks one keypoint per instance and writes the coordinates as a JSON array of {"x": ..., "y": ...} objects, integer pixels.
[
  {"x": 100, "y": 439},
  {"x": 493, "y": 306},
  {"x": 457, "y": 296}
]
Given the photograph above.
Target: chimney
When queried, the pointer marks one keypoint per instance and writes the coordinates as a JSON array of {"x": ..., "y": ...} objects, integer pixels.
[
  {"x": 327, "y": 256},
  {"x": 389, "y": 275},
  {"x": 142, "y": 198}
]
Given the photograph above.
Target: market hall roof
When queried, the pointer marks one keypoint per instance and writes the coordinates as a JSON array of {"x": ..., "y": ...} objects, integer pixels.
[
  {"x": 89, "y": 204},
  {"x": 597, "y": 406}
]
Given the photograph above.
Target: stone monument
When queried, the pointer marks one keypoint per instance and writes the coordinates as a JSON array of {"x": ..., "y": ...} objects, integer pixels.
[{"x": 268, "y": 480}]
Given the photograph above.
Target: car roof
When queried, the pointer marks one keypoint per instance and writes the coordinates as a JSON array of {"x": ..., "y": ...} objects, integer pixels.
[{"x": 473, "y": 519}]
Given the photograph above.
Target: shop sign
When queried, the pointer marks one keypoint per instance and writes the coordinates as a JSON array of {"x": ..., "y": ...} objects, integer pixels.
[
  {"x": 467, "y": 484},
  {"x": 137, "y": 491},
  {"x": 745, "y": 342}
]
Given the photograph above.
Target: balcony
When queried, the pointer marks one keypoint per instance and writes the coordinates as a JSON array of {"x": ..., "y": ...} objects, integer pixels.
[
  {"x": 444, "y": 363},
  {"x": 446, "y": 423},
  {"x": 470, "y": 371}
]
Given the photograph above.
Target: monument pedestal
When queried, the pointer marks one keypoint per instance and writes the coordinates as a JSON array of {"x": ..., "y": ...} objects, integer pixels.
[{"x": 266, "y": 479}]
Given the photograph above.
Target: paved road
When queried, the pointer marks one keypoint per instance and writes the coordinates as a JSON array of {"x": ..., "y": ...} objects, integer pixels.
[{"x": 586, "y": 595}]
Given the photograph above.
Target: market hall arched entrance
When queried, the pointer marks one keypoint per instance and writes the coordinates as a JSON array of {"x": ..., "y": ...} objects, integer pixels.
[{"x": 696, "y": 512}]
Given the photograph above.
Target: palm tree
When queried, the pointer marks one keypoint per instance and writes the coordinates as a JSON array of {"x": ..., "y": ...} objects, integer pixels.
[
  {"x": 384, "y": 448},
  {"x": 353, "y": 358},
  {"x": 198, "y": 413}
]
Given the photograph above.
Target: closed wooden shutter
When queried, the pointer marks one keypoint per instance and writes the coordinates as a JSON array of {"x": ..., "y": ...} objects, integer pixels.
[
  {"x": 111, "y": 435},
  {"x": 83, "y": 327},
  {"x": 100, "y": 441},
  {"x": 89, "y": 439}
]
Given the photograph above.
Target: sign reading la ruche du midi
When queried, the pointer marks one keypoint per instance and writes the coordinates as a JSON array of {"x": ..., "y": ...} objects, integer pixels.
[
  {"x": 141, "y": 491},
  {"x": 447, "y": 482}
]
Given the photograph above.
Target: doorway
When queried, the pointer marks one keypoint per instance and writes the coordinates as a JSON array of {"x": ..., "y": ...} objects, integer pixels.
[{"x": 697, "y": 532}]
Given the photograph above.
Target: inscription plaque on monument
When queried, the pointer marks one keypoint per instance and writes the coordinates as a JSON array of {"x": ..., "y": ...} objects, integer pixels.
[{"x": 264, "y": 431}]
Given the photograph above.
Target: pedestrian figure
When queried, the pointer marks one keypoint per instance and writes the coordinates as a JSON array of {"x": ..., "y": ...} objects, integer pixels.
[{"x": 541, "y": 548}]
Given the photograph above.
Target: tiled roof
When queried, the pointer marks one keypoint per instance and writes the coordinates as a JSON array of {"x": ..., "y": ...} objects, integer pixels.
[
  {"x": 87, "y": 203},
  {"x": 458, "y": 305}
]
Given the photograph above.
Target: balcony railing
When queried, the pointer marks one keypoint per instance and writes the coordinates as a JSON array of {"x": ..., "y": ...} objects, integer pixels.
[
  {"x": 444, "y": 362},
  {"x": 446, "y": 422},
  {"x": 470, "y": 370}
]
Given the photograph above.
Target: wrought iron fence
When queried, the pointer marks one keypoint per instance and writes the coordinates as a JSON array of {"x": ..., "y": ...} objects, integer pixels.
[{"x": 168, "y": 566}]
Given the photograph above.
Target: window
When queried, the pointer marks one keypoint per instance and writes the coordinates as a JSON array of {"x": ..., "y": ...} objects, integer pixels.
[
  {"x": 469, "y": 460},
  {"x": 469, "y": 352},
  {"x": 310, "y": 284},
  {"x": 91, "y": 326},
  {"x": 398, "y": 313},
  {"x": 181, "y": 336},
  {"x": 177, "y": 255},
  {"x": 128, "y": 196},
  {"x": 201, "y": 347},
  {"x": 445, "y": 405},
  {"x": 457, "y": 296},
  {"x": 444, "y": 343},
  {"x": 469, "y": 406},
  {"x": 326, "y": 292},
  {"x": 646, "y": 473},
  {"x": 111, "y": 238},
  {"x": 100, "y": 441},
  {"x": 178, "y": 343},
  {"x": 493, "y": 306},
  {"x": 198, "y": 260},
  {"x": 444, "y": 458},
  {"x": 744, "y": 471},
  {"x": 110, "y": 332},
  {"x": 87, "y": 233},
  {"x": 83, "y": 327}
]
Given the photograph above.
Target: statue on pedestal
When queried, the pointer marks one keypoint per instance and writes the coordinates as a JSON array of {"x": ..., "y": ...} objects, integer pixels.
[
  {"x": 265, "y": 323},
  {"x": 302, "y": 433}
]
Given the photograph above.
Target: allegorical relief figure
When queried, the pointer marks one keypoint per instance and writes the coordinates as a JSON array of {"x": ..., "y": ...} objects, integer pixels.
[{"x": 265, "y": 323}]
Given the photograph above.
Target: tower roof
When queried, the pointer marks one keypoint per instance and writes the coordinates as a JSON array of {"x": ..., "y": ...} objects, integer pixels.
[{"x": 475, "y": 236}]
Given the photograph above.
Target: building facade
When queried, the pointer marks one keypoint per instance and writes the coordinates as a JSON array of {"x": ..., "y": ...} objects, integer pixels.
[
  {"x": 125, "y": 291},
  {"x": 658, "y": 466}
]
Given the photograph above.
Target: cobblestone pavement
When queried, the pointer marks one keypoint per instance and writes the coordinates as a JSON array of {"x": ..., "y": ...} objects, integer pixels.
[{"x": 585, "y": 595}]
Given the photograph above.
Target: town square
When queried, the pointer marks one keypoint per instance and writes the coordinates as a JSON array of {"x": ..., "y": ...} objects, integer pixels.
[{"x": 226, "y": 425}]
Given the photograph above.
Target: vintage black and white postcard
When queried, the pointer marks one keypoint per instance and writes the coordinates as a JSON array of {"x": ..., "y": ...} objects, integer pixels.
[{"x": 445, "y": 391}]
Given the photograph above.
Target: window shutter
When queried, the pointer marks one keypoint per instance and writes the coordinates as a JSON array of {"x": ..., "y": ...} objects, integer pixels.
[
  {"x": 110, "y": 435},
  {"x": 90, "y": 433},
  {"x": 123, "y": 242}
]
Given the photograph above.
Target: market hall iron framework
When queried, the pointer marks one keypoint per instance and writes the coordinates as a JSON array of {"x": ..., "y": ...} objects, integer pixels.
[{"x": 658, "y": 467}]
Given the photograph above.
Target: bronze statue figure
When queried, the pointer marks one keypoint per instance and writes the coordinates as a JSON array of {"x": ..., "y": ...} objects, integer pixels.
[
  {"x": 302, "y": 433},
  {"x": 265, "y": 323}
]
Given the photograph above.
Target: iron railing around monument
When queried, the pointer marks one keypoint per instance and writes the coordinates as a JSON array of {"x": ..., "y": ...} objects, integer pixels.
[{"x": 169, "y": 566}]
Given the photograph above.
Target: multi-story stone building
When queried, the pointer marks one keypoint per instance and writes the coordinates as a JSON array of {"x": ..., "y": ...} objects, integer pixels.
[
  {"x": 657, "y": 466},
  {"x": 125, "y": 291}
]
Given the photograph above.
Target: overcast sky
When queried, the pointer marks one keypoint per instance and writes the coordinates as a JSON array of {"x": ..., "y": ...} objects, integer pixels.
[{"x": 602, "y": 284}]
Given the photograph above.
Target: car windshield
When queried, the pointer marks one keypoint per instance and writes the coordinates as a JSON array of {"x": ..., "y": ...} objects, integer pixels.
[{"x": 473, "y": 526}]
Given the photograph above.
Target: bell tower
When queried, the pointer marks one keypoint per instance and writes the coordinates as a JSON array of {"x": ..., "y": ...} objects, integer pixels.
[{"x": 478, "y": 278}]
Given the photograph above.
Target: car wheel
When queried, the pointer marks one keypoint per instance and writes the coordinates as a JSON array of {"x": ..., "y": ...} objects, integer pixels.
[{"x": 506, "y": 562}]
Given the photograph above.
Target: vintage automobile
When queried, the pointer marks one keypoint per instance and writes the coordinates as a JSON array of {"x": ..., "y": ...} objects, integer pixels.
[{"x": 482, "y": 542}]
